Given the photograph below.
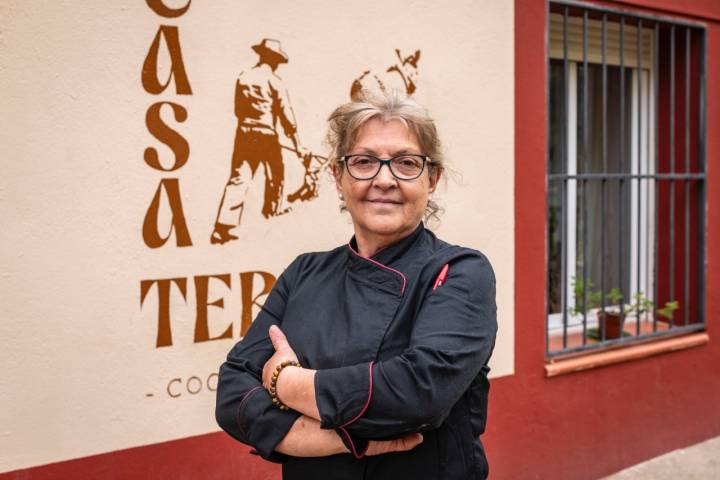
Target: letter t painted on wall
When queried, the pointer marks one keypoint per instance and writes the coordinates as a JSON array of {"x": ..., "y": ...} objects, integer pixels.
[{"x": 164, "y": 332}]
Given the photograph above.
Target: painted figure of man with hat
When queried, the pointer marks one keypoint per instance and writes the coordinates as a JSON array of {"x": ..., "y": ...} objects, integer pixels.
[{"x": 261, "y": 105}]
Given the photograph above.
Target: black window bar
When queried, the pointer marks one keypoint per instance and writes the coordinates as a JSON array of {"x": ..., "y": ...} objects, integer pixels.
[{"x": 626, "y": 177}]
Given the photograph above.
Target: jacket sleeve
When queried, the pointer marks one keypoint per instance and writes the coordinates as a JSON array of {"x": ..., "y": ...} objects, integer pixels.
[
  {"x": 243, "y": 407},
  {"x": 452, "y": 339}
]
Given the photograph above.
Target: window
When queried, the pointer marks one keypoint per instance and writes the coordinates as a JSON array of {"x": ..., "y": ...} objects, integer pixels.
[{"x": 625, "y": 178}]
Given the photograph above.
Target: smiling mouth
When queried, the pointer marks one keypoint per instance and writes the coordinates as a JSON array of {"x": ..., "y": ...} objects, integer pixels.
[{"x": 385, "y": 201}]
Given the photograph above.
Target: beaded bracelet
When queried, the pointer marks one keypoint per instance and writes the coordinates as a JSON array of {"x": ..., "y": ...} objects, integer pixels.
[{"x": 273, "y": 383}]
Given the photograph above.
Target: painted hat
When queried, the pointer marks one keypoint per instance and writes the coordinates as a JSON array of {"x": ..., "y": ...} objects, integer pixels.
[{"x": 271, "y": 50}]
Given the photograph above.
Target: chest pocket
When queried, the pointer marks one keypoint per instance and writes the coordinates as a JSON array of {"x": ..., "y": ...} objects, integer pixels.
[{"x": 341, "y": 324}]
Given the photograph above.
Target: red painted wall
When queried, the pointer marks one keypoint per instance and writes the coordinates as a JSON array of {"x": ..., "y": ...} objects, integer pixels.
[
  {"x": 578, "y": 426},
  {"x": 590, "y": 424}
]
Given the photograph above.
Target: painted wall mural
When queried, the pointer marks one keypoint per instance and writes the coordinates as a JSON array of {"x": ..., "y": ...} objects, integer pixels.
[
  {"x": 189, "y": 170},
  {"x": 400, "y": 76},
  {"x": 262, "y": 106}
]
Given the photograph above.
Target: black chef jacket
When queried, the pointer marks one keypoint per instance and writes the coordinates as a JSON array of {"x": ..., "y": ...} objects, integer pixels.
[{"x": 393, "y": 355}]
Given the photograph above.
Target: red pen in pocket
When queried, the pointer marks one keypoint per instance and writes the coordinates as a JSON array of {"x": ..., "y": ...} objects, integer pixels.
[{"x": 440, "y": 280}]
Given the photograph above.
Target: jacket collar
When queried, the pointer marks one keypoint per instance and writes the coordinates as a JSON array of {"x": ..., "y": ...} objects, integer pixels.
[{"x": 384, "y": 268}]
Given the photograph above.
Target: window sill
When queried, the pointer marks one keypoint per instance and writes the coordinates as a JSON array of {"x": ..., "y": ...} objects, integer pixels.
[{"x": 608, "y": 357}]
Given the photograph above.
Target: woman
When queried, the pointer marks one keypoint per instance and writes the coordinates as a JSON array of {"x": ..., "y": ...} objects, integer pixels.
[{"x": 391, "y": 334}]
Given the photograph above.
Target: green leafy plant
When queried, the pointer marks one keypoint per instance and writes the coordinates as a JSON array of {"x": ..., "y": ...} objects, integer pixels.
[
  {"x": 643, "y": 304},
  {"x": 640, "y": 304},
  {"x": 584, "y": 292},
  {"x": 587, "y": 298},
  {"x": 615, "y": 296},
  {"x": 668, "y": 309}
]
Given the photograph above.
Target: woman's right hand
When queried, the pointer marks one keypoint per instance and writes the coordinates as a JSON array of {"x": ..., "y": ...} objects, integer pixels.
[
  {"x": 402, "y": 444},
  {"x": 307, "y": 439}
]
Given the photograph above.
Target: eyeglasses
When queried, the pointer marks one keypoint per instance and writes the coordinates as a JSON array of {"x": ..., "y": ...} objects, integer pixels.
[{"x": 403, "y": 167}]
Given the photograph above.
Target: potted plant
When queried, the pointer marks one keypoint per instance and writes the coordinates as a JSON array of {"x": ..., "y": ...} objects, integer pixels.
[
  {"x": 611, "y": 320},
  {"x": 586, "y": 299}
]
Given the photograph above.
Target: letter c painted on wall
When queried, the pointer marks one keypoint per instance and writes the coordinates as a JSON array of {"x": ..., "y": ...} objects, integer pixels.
[
  {"x": 174, "y": 380},
  {"x": 207, "y": 382}
]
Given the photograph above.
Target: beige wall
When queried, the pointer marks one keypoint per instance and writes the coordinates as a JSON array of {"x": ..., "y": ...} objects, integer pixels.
[{"x": 81, "y": 372}]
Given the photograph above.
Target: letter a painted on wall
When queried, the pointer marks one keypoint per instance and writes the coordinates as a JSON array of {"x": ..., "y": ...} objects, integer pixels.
[
  {"x": 151, "y": 235},
  {"x": 150, "y": 81}
]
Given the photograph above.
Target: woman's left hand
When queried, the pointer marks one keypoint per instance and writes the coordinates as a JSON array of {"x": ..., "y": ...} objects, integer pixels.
[{"x": 283, "y": 352}]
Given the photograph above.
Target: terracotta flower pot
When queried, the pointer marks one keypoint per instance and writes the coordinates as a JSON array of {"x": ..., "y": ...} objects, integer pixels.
[{"x": 611, "y": 324}]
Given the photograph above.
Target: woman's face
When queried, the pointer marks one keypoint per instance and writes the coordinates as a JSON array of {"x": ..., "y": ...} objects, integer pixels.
[{"x": 385, "y": 208}]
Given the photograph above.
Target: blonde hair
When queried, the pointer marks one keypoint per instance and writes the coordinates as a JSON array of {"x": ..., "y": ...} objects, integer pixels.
[{"x": 346, "y": 121}]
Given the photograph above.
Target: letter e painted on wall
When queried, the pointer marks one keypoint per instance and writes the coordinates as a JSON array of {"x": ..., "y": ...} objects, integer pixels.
[{"x": 202, "y": 330}]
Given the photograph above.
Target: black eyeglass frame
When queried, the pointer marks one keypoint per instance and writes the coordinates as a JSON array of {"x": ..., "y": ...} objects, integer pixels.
[{"x": 425, "y": 159}]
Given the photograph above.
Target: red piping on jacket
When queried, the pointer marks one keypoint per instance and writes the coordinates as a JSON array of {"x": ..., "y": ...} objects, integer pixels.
[
  {"x": 349, "y": 439},
  {"x": 242, "y": 403},
  {"x": 367, "y": 402},
  {"x": 402, "y": 275}
]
